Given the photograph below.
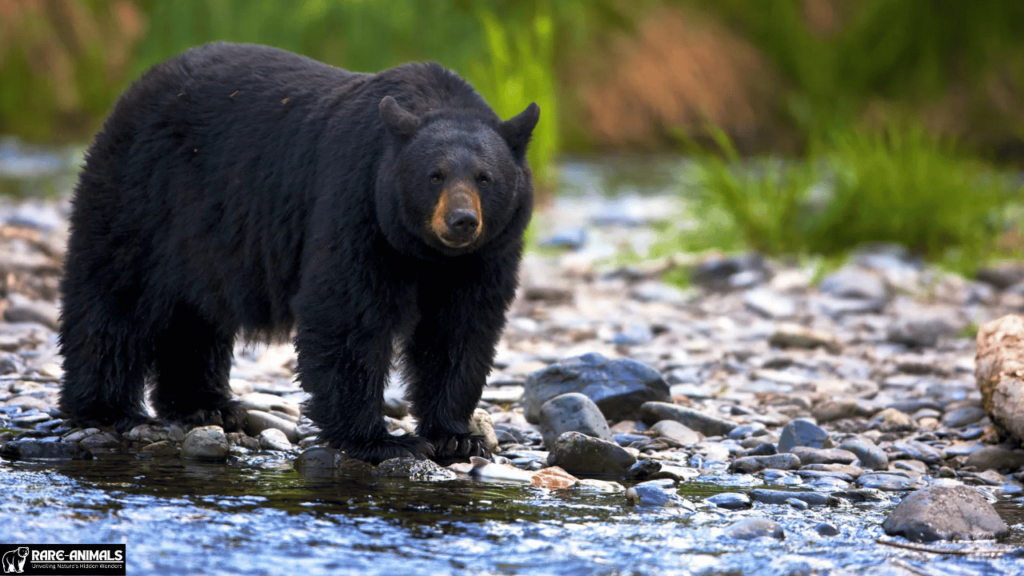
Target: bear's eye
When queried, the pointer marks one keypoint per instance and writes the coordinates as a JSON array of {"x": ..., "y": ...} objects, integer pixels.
[
  {"x": 483, "y": 180},
  {"x": 435, "y": 178}
]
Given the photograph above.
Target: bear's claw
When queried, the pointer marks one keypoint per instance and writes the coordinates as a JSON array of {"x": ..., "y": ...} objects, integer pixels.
[{"x": 459, "y": 449}]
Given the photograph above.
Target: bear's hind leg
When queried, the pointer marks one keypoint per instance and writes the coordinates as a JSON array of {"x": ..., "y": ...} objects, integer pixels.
[
  {"x": 105, "y": 363},
  {"x": 192, "y": 363}
]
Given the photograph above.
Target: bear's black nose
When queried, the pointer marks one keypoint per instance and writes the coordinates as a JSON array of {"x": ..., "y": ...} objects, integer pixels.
[{"x": 462, "y": 222}]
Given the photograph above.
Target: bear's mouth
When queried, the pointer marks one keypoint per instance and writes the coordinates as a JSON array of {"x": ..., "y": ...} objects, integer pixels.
[{"x": 457, "y": 221}]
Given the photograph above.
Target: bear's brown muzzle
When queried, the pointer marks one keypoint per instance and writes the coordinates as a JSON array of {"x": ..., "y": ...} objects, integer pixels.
[{"x": 457, "y": 220}]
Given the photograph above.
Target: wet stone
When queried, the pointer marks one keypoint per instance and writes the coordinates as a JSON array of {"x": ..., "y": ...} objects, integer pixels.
[
  {"x": 642, "y": 470},
  {"x": 996, "y": 458},
  {"x": 658, "y": 494},
  {"x": 945, "y": 513},
  {"x": 730, "y": 500},
  {"x": 654, "y": 412},
  {"x": 259, "y": 421},
  {"x": 618, "y": 387},
  {"x": 918, "y": 451},
  {"x": 43, "y": 449},
  {"x": 318, "y": 458},
  {"x": 871, "y": 456},
  {"x": 802, "y": 432},
  {"x": 160, "y": 449},
  {"x": 826, "y": 529},
  {"x": 269, "y": 403},
  {"x": 768, "y": 496},
  {"x": 810, "y": 455},
  {"x": 751, "y": 464},
  {"x": 765, "y": 449},
  {"x": 887, "y": 482},
  {"x": 274, "y": 439},
  {"x": 243, "y": 440},
  {"x": 420, "y": 470},
  {"x": 797, "y": 503},
  {"x": 79, "y": 435},
  {"x": 572, "y": 412},
  {"x": 677, "y": 432},
  {"x": 101, "y": 440},
  {"x": 205, "y": 443},
  {"x": 149, "y": 433},
  {"x": 962, "y": 416},
  {"x": 752, "y": 528},
  {"x": 580, "y": 454}
]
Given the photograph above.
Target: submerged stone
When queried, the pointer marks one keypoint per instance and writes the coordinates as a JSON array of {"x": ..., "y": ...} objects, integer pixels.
[
  {"x": 580, "y": 454},
  {"x": 751, "y": 528}
]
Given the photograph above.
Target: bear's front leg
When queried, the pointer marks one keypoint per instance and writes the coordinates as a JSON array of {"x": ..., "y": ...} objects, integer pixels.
[
  {"x": 345, "y": 371},
  {"x": 451, "y": 351}
]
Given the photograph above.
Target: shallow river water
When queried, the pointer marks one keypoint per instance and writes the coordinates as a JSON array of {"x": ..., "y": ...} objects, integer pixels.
[{"x": 263, "y": 517}]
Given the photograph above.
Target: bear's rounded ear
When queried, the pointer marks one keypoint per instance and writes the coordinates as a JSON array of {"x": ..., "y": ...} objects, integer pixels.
[
  {"x": 398, "y": 120},
  {"x": 517, "y": 130}
]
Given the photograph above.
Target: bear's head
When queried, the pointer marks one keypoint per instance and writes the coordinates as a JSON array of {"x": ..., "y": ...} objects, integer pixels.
[{"x": 454, "y": 179}]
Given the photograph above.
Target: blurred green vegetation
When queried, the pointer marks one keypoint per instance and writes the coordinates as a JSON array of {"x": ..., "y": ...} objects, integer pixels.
[
  {"x": 873, "y": 93},
  {"x": 900, "y": 185}
]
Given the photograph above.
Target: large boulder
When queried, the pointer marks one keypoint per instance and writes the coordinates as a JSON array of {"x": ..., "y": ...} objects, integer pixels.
[
  {"x": 945, "y": 513},
  {"x": 618, "y": 387},
  {"x": 999, "y": 371}
]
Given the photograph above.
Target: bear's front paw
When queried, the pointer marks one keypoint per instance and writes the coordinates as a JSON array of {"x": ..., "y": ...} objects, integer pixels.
[
  {"x": 389, "y": 447},
  {"x": 231, "y": 416},
  {"x": 459, "y": 448}
]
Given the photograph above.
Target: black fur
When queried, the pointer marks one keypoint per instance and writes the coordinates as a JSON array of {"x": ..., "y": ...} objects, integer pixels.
[{"x": 241, "y": 189}]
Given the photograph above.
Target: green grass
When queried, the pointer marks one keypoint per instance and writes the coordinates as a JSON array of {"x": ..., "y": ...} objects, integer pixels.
[{"x": 898, "y": 185}]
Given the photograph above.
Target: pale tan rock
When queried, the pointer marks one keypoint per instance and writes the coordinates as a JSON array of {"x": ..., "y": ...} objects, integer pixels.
[
  {"x": 553, "y": 478},
  {"x": 999, "y": 371}
]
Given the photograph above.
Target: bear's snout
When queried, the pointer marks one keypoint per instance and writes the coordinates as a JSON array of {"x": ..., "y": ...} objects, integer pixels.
[{"x": 457, "y": 221}]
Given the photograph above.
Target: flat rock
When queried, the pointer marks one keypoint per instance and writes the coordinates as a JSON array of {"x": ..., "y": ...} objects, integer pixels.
[
  {"x": 796, "y": 336},
  {"x": 101, "y": 440},
  {"x": 658, "y": 494},
  {"x": 413, "y": 469},
  {"x": 945, "y": 513},
  {"x": 920, "y": 332},
  {"x": 751, "y": 464},
  {"x": 752, "y": 528},
  {"x": 999, "y": 371},
  {"x": 259, "y": 421},
  {"x": 768, "y": 496},
  {"x": 572, "y": 412},
  {"x": 918, "y": 451},
  {"x": 205, "y": 443},
  {"x": 274, "y": 439},
  {"x": 962, "y": 416},
  {"x": 730, "y": 500},
  {"x": 810, "y": 455},
  {"x": 707, "y": 424},
  {"x": 23, "y": 309},
  {"x": 677, "y": 431},
  {"x": 269, "y": 403},
  {"x": 769, "y": 303},
  {"x": 43, "y": 449},
  {"x": 887, "y": 482},
  {"x": 581, "y": 454},
  {"x": 996, "y": 458},
  {"x": 802, "y": 432},
  {"x": 618, "y": 387},
  {"x": 855, "y": 282}
]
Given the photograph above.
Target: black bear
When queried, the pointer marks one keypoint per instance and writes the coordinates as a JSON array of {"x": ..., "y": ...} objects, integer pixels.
[{"x": 244, "y": 189}]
